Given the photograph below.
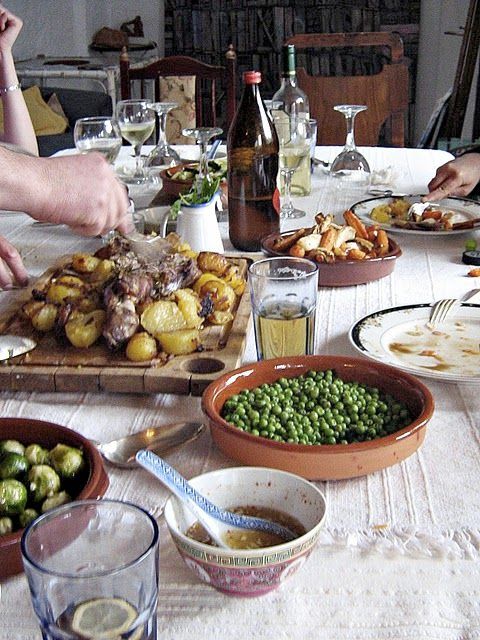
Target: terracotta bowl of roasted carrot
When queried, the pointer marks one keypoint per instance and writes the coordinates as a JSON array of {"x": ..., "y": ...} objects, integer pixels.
[{"x": 346, "y": 255}]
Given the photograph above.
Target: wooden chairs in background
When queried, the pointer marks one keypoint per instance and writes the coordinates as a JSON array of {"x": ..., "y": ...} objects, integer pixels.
[
  {"x": 386, "y": 93},
  {"x": 206, "y": 93}
]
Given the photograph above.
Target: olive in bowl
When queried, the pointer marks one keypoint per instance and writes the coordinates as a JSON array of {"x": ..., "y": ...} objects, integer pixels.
[
  {"x": 321, "y": 446},
  {"x": 51, "y": 465},
  {"x": 249, "y": 571}
]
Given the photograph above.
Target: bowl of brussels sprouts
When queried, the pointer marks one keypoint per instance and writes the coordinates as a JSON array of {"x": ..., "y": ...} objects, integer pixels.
[
  {"x": 42, "y": 465},
  {"x": 322, "y": 417}
]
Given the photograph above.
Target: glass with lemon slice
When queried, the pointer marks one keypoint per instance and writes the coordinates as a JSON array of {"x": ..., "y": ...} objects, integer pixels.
[{"x": 92, "y": 568}]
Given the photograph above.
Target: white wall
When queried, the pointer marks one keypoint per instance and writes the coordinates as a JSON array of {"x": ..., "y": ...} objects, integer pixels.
[
  {"x": 438, "y": 57},
  {"x": 66, "y": 27}
]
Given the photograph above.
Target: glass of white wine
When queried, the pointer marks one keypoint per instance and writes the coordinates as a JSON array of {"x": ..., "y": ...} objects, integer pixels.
[
  {"x": 136, "y": 121},
  {"x": 284, "y": 302},
  {"x": 101, "y": 134},
  {"x": 294, "y": 141}
]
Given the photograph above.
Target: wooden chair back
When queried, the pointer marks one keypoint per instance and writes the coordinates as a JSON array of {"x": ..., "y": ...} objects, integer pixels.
[
  {"x": 213, "y": 83},
  {"x": 385, "y": 93}
]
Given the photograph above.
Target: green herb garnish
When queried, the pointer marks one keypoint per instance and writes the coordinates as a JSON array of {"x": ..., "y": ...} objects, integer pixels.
[{"x": 200, "y": 193}]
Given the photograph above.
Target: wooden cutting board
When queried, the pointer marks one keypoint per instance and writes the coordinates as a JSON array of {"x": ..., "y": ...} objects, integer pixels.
[{"x": 54, "y": 367}]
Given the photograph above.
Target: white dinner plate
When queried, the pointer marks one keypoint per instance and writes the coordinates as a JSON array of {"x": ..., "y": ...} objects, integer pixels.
[
  {"x": 463, "y": 208},
  {"x": 400, "y": 337}
]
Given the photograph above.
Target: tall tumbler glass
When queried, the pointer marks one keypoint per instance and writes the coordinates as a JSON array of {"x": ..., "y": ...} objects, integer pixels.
[
  {"x": 284, "y": 303},
  {"x": 92, "y": 568}
]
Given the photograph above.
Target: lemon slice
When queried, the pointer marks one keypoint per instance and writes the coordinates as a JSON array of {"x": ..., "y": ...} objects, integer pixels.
[{"x": 103, "y": 618}]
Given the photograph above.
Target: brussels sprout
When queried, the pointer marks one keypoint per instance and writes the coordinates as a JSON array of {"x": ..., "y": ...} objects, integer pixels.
[
  {"x": 13, "y": 497},
  {"x": 43, "y": 482},
  {"x": 36, "y": 454},
  {"x": 67, "y": 461},
  {"x": 55, "y": 501},
  {"x": 11, "y": 446},
  {"x": 27, "y": 516},
  {"x": 6, "y": 525},
  {"x": 13, "y": 465}
]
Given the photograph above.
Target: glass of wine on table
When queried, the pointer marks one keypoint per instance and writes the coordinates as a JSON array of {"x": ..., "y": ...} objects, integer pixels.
[
  {"x": 100, "y": 134},
  {"x": 294, "y": 142},
  {"x": 136, "y": 120}
]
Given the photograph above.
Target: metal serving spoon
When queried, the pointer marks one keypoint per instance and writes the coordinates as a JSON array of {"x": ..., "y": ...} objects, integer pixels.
[
  {"x": 121, "y": 452},
  {"x": 216, "y": 521}
]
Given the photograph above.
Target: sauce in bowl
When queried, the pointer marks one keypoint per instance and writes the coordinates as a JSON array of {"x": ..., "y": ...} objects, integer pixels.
[{"x": 250, "y": 539}]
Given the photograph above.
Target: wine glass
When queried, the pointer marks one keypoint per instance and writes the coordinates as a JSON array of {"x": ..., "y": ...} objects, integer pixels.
[
  {"x": 202, "y": 135},
  {"x": 294, "y": 141},
  {"x": 136, "y": 121},
  {"x": 99, "y": 133},
  {"x": 350, "y": 165},
  {"x": 162, "y": 155}
]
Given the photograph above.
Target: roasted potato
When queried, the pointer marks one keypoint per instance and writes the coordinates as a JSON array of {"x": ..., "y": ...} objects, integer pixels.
[
  {"x": 84, "y": 262},
  {"x": 85, "y": 329},
  {"x": 65, "y": 288},
  {"x": 180, "y": 342},
  {"x": 189, "y": 304},
  {"x": 160, "y": 316},
  {"x": 212, "y": 262},
  {"x": 235, "y": 280},
  {"x": 141, "y": 346},
  {"x": 102, "y": 271},
  {"x": 222, "y": 294},
  {"x": 42, "y": 314},
  {"x": 205, "y": 277}
]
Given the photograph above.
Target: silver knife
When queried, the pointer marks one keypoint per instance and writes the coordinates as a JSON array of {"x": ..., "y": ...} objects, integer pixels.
[{"x": 11, "y": 346}]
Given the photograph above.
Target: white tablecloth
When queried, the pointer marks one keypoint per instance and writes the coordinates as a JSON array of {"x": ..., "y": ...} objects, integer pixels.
[{"x": 399, "y": 557}]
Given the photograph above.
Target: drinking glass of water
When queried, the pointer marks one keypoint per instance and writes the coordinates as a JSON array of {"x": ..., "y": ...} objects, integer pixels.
[
  {"x": 92, "y": 569},
  {"x": 101, "y": 134},
  {"x": 284, "y": 303}
]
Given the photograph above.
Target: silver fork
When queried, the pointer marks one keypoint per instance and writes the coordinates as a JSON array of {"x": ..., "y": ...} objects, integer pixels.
[{"x": 446, "y": 307}]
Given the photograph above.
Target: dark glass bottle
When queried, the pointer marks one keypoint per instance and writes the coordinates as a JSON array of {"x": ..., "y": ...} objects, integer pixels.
[{"x": 252, "y": 150}]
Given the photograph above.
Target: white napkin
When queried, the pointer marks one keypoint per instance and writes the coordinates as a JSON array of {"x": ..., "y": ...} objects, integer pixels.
[{"x": 386, "y": 177}]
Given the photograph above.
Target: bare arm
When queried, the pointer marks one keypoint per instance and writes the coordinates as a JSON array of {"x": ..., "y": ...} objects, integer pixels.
[
  {"x": 457, "y": 177},
  {"x": 18, "y": 128},
  {"x": 80, "y": 191}
]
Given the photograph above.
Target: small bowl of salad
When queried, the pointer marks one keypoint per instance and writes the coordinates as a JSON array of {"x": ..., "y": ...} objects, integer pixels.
[{"x": 180, "y": 178}]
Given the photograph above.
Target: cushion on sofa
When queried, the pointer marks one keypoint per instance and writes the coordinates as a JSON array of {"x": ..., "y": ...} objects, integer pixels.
[
  {"x": 76, "y": 103},
  {"x": 44, "y": 119}
]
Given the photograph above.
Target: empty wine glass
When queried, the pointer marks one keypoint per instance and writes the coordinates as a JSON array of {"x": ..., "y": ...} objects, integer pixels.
[
  {"x": 350, "y": 165},
  {"x": 294, "y": 142},
  {"x": 202, "y": 135},
  {"x": 136, "y": 121},
  {"x": 101, "y": 134},
  {"x": 162, "y": 155}
]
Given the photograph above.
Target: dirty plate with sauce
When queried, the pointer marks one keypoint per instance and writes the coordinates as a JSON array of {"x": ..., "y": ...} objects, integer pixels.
[
  {"x": 460, "y": 211},
  {"x": 400, "y": 337}
]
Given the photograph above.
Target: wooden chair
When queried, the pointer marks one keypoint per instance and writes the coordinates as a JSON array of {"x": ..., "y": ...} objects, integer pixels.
[
  {"x": 208, "y": 78},
  {"x": 385, "y": 93}
]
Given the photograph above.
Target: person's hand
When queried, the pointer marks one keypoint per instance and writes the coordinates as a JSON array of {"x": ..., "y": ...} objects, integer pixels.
[
  {"x": 458, "y": 178},
  {"x": 10, "y": 27},
  {"x": 85, "y": 194},
  {"x": 12, "y": 270}
]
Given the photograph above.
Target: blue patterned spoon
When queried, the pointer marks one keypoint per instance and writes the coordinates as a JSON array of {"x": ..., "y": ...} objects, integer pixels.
[{"x": 216, "y": 521}]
